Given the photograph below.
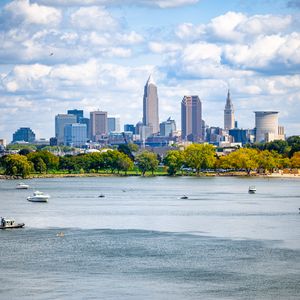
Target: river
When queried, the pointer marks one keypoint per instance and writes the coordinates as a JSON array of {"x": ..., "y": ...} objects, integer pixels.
[{"x": 141, "y": 241}]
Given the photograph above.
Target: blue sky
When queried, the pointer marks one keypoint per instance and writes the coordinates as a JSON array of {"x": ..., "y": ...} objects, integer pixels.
[{"x": 97, "y": 54}]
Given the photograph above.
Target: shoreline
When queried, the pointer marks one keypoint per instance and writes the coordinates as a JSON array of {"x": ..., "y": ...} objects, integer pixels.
[{"x": 234, "y": 174}]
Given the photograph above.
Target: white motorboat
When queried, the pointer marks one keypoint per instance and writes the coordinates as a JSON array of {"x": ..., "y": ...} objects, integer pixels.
[
  {"x": 38, "y": 197},
  {"x": 9, "y": 224},
  {"x": 22, "y": 186},
  {"x": 252, "y": 189}
]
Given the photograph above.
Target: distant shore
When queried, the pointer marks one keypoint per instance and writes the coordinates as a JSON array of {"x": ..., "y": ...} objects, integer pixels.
[{"x": 231, "y": 174}]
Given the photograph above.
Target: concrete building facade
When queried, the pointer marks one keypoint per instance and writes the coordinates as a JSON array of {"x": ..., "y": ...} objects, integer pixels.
[
  {"x": 191, "y": 119},
  {"x": 228, "y": 113},
  {"x": 61, "y": 120},
  {"x": 266, "y": 126},
  {"x": 150, "y": 106},
  {"x": 98, "y": 125}
]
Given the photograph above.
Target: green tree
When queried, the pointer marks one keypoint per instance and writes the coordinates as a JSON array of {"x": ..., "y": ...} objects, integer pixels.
[
  {"x": 146, "y": 161},
  {"x": 244, "y": 158},
  {"x": 173, "y": 160},
  {"x": 280, "y": 146},
  {"x": 295, "y": 160},
  {"x": 127, "y": 149},
  {"x": 40, "y": 166},
  {"x": 267, "y": 161},
  {"x": 51, "y": 161},
  {"x": 124, "y": 163},
  {"x": 16, "y": 164},
  {"x": 199, "y": 156},
  {"x": 294, "y": 143}
]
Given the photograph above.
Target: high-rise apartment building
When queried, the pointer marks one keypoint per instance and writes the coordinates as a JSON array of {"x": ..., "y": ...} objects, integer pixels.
[
  {"x": 24, "y": 134},
  {"x": 228, "y": 113},
  {"x": 266, "y": 126},
  {"x": 75, "y": 135},
  {"x": 61, "y": 120},
  {"x": 150, "y": 106},
  {"x": 191, "y": 119},
  {"x": 98, "y": 125}
]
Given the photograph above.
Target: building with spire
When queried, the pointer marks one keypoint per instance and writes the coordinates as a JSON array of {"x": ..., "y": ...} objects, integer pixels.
[
  {"x": 228, "y": 113},
  {"x": 150, "y": 106}
]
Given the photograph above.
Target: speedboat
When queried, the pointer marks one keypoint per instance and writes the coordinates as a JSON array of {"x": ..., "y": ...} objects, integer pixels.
[
  {"x": 252, "y": 189},
  {"x": 38, "y": 197},
  {"x": 22, "y": 186},
  {"x": 9, "y": 223}
]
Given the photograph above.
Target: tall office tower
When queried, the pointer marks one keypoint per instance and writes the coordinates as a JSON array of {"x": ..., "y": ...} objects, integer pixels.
[
  {"x": 191, "y": 119},
  {"x": 167, "y": 128},
  {"x": 24, "y": 134},
  {"x": 78, "y": 113},
  {"x": 61, "y": 120},
  {"x": 150, "y": 106},
  {"x": 113, "y": 124},
  {"x": 266, "y": 126},
  {"x": 98, "y": 125},
  {"x": 75, "y": 135},
  {"x": 228, "y": 113}
]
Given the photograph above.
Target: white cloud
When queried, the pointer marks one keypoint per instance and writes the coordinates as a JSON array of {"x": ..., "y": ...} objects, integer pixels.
[
  {"x": 158, "y": 3},
  {"x": 93, "y": 17},
  {"x": 33, "y": 13},
  {"x": 159, "y": 48},
  {"x": 190, "y": 31}
]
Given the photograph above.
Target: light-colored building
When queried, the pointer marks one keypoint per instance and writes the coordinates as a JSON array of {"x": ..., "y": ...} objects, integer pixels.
[
  {"x": 266, "y": 126},
  {"x": 3, "y": 142},
  {"x": 150, "y": 106},
  {"x": 167, "y": 128},
  {"x": 191, "y": 119},
  {"x": 228, "y": 113},
  {"x": 75, "y": 135},
  {"x": 98, "y": 125},
  {"x": 113, "y": 124},
  {"x": 61, "y": 120}
]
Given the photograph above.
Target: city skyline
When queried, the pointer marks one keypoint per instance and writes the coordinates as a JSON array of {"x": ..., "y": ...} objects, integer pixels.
[{"x": 59, "y": 55}]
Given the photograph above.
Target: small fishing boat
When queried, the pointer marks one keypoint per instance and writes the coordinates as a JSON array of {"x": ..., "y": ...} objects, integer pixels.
[
  {"x": 38, "y": 197},
  {"x": 22, "y": 186},
  {"x": 101, "y": 196},
  {"x": 184, "y": 197},
  {"x": 252, "y": 189},
  {"x": 6, "y": 223}
]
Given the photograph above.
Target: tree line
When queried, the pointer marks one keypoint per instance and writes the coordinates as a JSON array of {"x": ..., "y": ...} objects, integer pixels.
[{"x": 196, "y": 158}]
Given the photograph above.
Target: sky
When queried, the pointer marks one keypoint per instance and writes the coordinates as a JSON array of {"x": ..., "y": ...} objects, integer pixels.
[{"x": 57, "y": 55}]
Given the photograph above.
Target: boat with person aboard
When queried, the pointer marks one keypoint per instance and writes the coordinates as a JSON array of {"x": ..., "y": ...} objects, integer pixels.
[
  {"x": 6, "y": 223},
  {"x": 38, "y": 197}
]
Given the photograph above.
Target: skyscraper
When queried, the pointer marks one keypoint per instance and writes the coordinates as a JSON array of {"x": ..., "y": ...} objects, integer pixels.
[
  {"x": 191, "y": 119},
  {"x": 150, "y": 106},
  {"x": 61, "y": 120},
  {"x": 98, "y": 124},
  {"x": 228, "y": 113}
]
